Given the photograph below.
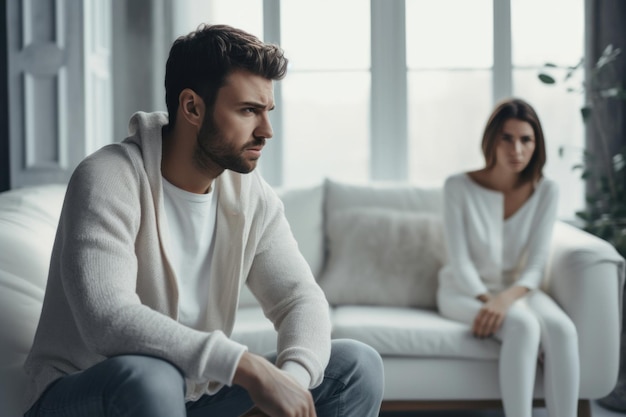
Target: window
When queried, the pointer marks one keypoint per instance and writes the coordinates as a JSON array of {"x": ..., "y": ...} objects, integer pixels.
[
  {"x": 449, "y": 61},
  {"x": 401, "y": 90},
  {"x": 326, "y": 95},
  {"x": 535, "y": 43},
  {"x": 190, "y": 13}
]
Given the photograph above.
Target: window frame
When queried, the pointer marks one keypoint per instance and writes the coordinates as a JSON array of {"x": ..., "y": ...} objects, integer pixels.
[{"x": 389, "y": 139}]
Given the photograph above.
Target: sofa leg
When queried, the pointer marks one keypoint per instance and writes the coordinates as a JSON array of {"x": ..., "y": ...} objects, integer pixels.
[{"x": 584, "y": 408}]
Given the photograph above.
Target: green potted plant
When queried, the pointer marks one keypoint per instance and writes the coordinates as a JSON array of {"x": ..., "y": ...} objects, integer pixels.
[{"x": 604, "y": 167}]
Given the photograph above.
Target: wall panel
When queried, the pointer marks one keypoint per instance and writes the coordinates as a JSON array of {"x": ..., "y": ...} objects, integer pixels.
[{"x": 58, "y": 73}]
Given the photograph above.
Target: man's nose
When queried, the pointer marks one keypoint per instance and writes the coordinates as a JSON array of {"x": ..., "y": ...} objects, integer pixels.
[{"x": 264, "y": 129}]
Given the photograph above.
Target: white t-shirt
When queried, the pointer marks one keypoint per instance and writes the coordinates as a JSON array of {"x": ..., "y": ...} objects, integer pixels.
[{"x": 191, "y": 225}]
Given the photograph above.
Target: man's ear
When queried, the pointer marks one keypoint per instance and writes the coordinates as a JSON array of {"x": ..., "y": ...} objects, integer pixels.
[{"x": 191, "y": 107}]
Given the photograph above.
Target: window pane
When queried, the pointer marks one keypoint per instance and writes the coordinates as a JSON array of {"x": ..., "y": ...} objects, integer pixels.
[
  {"x": 326, "y": 128},
  {"x": 449, "y": 33},
  {"x": 559, "y": 113},
  {"x": 447, "y": 113},
  {"x": 326, "y": 34},
  {"x": 190, "y": 13},
  {"x": 547, "y": 31}
]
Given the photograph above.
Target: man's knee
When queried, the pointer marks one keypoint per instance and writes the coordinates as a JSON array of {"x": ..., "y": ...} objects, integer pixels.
[
  {"x": 359, "y": 363},
  {"x": 136, "y": 377}
]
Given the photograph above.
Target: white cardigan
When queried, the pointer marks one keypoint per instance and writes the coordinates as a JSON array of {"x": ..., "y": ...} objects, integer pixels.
[
  {"x": 112, "y": 291},
  {"x": 487, "y": 253}
]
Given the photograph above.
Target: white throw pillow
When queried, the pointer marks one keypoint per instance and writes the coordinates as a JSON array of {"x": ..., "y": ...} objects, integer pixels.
[{"x": 383, "y": 257}]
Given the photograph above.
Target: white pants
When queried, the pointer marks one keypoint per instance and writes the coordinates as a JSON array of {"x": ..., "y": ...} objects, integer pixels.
[{"x": 532, "y": 323}]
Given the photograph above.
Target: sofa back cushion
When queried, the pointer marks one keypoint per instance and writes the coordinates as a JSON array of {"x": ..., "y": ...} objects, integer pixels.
[
  {"x": 304, "y": 212},
  {"x": 384, "y": 244},
  {"x": 404, "y": 197}
]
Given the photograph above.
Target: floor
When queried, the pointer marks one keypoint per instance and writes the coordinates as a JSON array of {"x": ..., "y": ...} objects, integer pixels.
[{"x": 596, "y": 411}]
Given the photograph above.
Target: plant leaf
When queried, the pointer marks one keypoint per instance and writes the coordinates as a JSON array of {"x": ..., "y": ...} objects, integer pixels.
[
  {"x": 572, "y": 70},
  {"x": 546, "y": 79},
  {"x": 608, "y": 55},
  {"x": 608, "y": 50},
  {"x": 583, "y": 215},
  {"x": 585, "y": 112},
  {"x": 610, "y": 92},
  {"x": 618, "y": 162}
]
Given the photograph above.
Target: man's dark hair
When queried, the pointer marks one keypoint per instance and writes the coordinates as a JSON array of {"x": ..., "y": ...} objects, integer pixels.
[{"x": 203, "y": 59}]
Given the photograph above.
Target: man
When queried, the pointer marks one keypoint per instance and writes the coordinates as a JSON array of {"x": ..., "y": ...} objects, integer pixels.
[{"x": 157, "y": 236}]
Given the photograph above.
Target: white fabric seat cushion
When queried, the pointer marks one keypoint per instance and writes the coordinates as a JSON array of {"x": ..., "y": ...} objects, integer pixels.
[
  {"x": 410, "y": 333},
  {"x": 395, "y": 332}
]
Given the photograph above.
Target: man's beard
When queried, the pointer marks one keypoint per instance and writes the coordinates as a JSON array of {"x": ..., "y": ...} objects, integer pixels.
[{"x": 211, "y": 150}]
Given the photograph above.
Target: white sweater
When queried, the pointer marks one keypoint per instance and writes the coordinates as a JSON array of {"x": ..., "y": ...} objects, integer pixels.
[
  {"x": 487, "y": 253},
  {"x": 112, "y": 291}
]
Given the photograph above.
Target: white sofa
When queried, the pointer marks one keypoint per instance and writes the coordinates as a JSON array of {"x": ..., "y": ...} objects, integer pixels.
[{"x": 376, "y": 250}]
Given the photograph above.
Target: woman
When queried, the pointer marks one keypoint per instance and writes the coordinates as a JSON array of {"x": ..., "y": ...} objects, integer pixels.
[{"x": 498, "y": 227}]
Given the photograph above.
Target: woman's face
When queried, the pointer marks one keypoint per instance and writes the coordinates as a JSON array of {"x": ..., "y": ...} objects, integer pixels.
[{"x": 515, "y": 146}]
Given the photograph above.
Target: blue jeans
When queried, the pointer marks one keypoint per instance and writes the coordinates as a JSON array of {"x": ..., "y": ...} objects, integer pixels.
[{"x": 142, "y": 386}]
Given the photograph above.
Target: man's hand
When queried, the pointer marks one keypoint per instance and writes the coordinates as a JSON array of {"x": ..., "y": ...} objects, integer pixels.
[
  {"x": 273, "y": 391},
  {"x": 490, "y": 317}
]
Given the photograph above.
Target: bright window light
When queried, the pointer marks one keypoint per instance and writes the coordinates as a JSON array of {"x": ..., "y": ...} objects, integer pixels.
[{"x": 326, "y": 125}]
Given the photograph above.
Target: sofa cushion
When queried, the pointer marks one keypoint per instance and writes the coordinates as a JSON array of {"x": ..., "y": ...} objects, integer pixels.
[
  {"x": 304, "y": 212},
  {"x": 407, "y": 332},
  {"x": 396, "y": 196},
  {"x": 383, "y": 257},
  {"x": 28, "y": 221}
]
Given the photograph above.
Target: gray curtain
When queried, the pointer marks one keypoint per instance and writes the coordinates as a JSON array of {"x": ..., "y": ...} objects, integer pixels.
[{"x": 606, "y": 24}]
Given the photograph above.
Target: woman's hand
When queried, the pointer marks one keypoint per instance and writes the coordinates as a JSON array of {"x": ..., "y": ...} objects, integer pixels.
[{"x": 492, "y": 314}]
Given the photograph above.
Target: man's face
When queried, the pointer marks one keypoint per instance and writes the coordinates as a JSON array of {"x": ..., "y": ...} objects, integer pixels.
[{"x": 234, "y": 133}]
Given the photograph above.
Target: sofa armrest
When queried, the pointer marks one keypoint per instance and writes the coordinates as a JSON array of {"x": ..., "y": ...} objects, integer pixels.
[{"x": 585, "y": 275}]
